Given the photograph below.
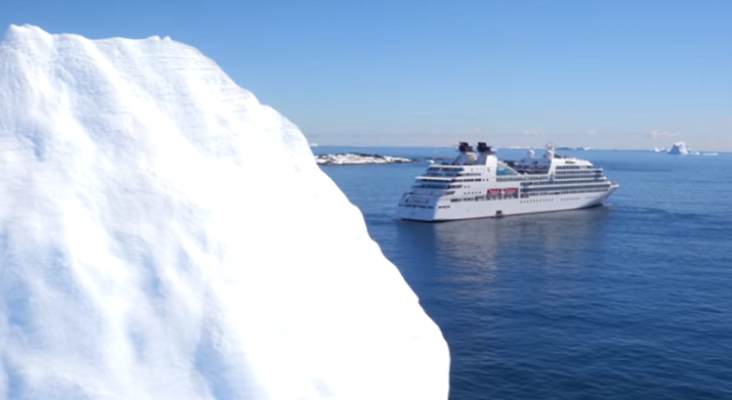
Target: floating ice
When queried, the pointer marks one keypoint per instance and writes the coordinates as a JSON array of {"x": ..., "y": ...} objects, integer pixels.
[
  {"x": 163, "y": 235},
  {"x": 679, "y": 148},
  {"x": 359, "y": 158}
]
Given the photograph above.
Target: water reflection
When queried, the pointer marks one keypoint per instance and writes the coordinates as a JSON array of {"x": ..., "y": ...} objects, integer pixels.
[
  {"x": 496, "y": 287},
  {"x": 472, "y": 252}
]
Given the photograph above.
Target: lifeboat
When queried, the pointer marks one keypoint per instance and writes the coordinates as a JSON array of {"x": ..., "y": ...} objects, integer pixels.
[
  {"x": 510, "y": 191},
  {"x": 494, "y": 191}
]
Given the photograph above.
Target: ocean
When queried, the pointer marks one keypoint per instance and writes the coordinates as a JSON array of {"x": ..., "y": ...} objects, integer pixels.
[{"x": 632, "y": 300}]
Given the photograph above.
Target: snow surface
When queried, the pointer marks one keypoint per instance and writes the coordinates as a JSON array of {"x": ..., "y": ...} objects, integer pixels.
[
  {"x": 359, "y": 158},
  {"x": 163, "y": 235}
]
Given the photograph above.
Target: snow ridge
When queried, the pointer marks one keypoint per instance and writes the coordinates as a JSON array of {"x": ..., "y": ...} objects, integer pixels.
[{"x": 163, "y": 235}]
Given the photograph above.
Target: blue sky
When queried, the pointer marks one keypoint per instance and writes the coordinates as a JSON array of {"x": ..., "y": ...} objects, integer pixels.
[{"x": 612, "y": 74}]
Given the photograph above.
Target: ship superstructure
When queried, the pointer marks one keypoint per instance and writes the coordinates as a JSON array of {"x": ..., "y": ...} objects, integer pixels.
[{"x": 477, "y": 185}]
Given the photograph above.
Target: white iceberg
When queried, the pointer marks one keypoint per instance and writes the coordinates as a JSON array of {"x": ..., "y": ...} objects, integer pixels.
[
  {"x": 679, "y": 149},
  {"x": 163, "y": 235},
  {"x": 359, "y": 158}
]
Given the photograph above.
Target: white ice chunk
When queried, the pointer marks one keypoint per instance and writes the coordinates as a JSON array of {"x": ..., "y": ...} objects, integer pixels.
[
  {"x": 359, "y": 158},
  {"x": 679, "y": 148},
  {"x": 163, "y": 235}
]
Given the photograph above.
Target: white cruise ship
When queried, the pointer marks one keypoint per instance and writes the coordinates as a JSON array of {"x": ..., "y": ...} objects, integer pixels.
[{"x": 479, "y": 185}]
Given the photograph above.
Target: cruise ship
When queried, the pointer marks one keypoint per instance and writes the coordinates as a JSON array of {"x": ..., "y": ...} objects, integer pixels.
[{"x": 479, "y": 185}]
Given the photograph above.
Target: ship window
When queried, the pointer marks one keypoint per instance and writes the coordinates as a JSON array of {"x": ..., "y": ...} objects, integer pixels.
[{"x": 504, "y": 170}]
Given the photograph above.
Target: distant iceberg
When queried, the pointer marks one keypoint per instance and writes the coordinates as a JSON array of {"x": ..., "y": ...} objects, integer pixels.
[
  {"x": 359, "y": 158},
  {"x": 681, "y": 149},
  {"x": 163, "y": 235}
]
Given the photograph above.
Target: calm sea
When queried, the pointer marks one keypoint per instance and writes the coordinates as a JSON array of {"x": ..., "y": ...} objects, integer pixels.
[{"x": 628, "y": 301}]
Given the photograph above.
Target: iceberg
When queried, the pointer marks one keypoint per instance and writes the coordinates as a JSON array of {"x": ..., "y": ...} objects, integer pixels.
[
  {"x": 163, "y": 235},
  {"x": 359, "y": 158},
  {"x": 679, "y": 148}
]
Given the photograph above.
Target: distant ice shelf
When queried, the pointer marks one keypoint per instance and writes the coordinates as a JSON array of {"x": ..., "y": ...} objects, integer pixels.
[{"x": 359, "y": 158}]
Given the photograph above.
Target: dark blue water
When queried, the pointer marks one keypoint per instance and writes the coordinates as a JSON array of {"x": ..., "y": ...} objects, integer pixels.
[{"x": 628, "y": 301}]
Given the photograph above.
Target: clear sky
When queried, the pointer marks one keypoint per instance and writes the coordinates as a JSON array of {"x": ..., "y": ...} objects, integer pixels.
[{"x": 612, "y": 74}]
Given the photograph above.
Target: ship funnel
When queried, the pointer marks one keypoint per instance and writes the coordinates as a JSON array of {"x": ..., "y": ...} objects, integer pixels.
[
  {"x": 465, "y": 147},
  {"x": 485, "y": 152},
  {"x": 483, "y": 148},
  {"x": 467, "y": 156}
]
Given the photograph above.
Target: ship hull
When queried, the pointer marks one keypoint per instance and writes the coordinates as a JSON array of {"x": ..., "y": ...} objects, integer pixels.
[{"x": 453, "y": 211}]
